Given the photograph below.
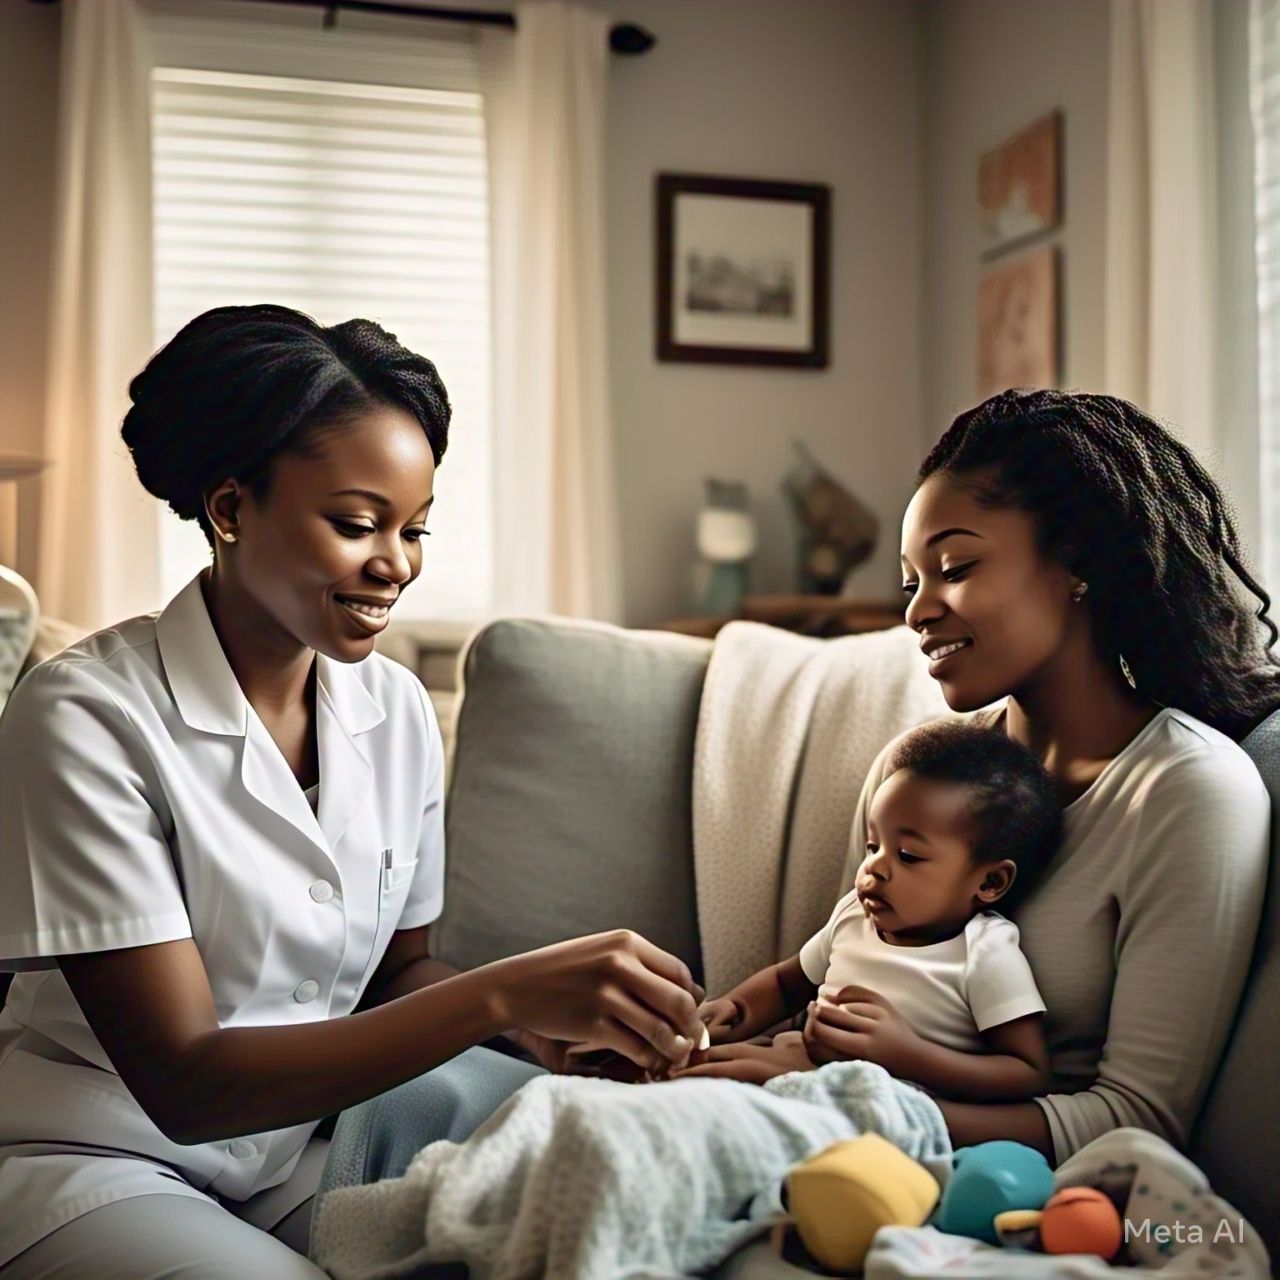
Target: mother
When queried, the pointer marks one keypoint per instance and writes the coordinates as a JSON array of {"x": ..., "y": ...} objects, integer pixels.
[
  {"x": 1076, "y": 580},
  {"x": 221, "y": 835}
]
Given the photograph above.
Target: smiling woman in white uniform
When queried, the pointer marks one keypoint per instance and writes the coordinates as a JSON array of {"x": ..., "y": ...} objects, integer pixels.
[{"x": 221, "y": 834}]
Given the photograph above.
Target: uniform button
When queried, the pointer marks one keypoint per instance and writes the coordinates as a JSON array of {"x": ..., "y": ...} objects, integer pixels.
[
  {"x": 321, "y": 891},
  {"x": 305, "y": 991},
  {"x": 242, "y": 1150}
]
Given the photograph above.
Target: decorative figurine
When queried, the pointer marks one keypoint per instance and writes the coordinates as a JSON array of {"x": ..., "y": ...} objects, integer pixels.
[{"x": 837, "y": 531}]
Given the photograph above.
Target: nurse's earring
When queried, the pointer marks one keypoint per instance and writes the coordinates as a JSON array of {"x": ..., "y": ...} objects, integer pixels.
[
  {"x": 227, "y": 537},
  {"x": 1078, "y": 592}
]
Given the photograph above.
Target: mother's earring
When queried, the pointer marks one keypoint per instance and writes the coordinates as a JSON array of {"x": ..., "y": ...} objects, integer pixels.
[
  {"x": 227, "y": 537},
  {"x": 1078, "y": 592}
]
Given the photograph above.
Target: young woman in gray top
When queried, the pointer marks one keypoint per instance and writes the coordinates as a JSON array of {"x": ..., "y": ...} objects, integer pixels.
[{"x": 1067, "y": 558}]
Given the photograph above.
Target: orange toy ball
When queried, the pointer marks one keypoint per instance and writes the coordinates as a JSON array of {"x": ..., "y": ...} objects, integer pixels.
[{"x": 1080, "y": 1220}]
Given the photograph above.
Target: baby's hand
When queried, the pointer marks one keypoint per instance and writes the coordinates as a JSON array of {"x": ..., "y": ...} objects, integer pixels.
[
  {"x": 749, "y": 1062},
  {"x": 860, "y": 1024},
  {"x": 720, "y": 1017}
]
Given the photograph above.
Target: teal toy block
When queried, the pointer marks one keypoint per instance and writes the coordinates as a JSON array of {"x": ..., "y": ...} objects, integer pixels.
[{"x": 989, "y": 1179}]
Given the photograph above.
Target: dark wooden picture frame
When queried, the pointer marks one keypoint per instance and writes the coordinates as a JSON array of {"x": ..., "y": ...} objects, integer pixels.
[{"x": 816, "y": 288}]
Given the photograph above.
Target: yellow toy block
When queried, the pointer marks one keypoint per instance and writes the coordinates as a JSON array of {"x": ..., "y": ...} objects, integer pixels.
[{"x": 841, "y": 1197}]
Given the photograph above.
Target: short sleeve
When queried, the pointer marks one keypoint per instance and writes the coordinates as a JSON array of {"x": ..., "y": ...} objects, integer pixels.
[
  {"x": 815, "y": 955},
  {"x": 426, "y": 894},
  {"x": 84, "y": 862},
  {"x": 999, "y": 985}
]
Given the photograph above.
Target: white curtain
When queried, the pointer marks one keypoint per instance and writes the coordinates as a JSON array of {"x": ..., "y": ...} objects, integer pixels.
[
  {"x": 556, "y": 536},
  {"x": 97, "y": 557},
  {"x": 1162, "y": 236},
  {"x": 1264, "y": 78}
]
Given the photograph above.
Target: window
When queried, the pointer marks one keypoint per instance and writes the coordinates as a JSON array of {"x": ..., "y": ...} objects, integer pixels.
[{"x": 289, "y": 169}]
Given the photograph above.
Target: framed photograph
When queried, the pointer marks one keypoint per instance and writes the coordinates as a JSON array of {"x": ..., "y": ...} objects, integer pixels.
[
  {"x": 743, "y": 271},
  {"x": 1018, "y": 324},
  {"x": 1020, "y": 186}
]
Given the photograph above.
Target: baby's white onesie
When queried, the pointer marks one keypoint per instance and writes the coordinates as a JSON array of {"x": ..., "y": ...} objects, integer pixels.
[{"x": 947, "y": 991}]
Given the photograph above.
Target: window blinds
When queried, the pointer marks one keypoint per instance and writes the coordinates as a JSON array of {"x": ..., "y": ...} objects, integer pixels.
[{"x": 342, "y": 199}]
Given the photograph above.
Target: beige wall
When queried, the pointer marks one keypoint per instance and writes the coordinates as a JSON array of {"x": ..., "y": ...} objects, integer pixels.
[
  {"x": 888, "y": 101},
  {"x": 28, "y": 107},
  {"x": 990, "y": 67},
  {"x": 811, "y": 90}
]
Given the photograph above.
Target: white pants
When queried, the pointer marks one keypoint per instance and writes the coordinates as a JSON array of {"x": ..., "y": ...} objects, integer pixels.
[
  {"x": 167, "y": 1237},
  {"x": 164, "y": 1237}
]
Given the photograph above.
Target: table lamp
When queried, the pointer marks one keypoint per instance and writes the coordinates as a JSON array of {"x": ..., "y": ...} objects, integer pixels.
[{"x": 19, "y": 608}]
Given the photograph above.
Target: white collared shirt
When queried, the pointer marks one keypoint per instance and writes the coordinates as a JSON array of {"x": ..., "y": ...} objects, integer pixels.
[{"x": 142, "y": 800}]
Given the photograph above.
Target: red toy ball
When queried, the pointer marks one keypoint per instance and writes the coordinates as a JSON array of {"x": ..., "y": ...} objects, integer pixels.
[{"x": 1080, "y": 1220}]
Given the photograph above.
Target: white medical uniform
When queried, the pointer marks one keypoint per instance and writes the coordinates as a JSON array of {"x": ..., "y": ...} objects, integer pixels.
[{"x": 142, "y": 800}]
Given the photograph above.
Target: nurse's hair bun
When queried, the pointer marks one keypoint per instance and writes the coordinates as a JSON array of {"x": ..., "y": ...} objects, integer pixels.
[{"x": 237, "y": 385}]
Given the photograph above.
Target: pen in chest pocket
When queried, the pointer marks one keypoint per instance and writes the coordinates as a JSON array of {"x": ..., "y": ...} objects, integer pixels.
[{"x": 386, "y": 868}]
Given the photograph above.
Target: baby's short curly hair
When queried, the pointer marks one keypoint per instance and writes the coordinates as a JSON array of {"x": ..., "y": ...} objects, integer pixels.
[{"x": 1015, "y": 812}]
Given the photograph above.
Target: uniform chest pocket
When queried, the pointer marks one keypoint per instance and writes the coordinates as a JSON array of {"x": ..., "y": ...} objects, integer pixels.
[
  {"x": 394, "y": 879},
  {"x": 395, "y": 875}
]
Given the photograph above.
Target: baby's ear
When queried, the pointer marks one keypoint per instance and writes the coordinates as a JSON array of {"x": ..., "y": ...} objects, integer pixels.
[{"x": 997, "y": 880}]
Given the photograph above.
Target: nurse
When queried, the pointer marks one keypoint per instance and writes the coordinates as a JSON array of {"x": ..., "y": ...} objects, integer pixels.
[{"x": 221, "y": 835}]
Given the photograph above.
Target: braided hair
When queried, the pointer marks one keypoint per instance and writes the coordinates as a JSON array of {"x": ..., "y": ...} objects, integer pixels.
[
  {"x": 1128, "y": 509},
  {"x": 237, "y": 385}
]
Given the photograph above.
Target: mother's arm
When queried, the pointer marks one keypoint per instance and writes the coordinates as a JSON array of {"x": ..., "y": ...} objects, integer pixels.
[{"x": 1189, "y": 904}]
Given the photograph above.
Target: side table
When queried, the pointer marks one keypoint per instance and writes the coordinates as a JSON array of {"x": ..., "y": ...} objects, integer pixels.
[{"x": 808, "y": 615}]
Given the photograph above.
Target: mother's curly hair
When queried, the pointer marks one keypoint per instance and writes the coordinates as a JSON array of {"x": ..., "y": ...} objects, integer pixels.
[
  {"x": 238, "y": 385},
  {"x": 1128, "y": 509}
]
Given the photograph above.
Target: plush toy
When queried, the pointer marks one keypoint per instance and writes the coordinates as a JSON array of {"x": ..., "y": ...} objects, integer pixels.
[
  {"x": 840, "y": 1198},
  {"x": 987, "y": 1180},
  {"x": 1080, "y": 1220}
]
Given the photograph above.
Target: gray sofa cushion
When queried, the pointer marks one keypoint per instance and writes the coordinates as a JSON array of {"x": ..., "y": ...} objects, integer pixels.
[
  {"x": 569, "y": 809},
  {"x": 1237, "y": 1137}
]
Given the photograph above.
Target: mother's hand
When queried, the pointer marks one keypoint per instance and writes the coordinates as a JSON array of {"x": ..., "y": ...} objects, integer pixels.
[{"x": 614, "y": 989}]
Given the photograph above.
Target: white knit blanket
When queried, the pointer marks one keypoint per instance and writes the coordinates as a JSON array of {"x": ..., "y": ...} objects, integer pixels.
[
  {"x": 787, "y": 730},
  {"x": 589, "y": 1179}
]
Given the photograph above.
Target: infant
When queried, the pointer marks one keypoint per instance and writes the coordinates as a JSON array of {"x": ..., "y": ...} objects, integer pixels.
[{"x": 915, "y": 970}]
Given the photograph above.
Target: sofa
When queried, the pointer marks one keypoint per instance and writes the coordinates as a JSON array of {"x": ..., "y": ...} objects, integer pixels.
[{"x": 570, "y": 811}]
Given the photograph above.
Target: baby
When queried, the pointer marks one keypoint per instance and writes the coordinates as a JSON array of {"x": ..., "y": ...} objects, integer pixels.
[{"x": 914, "y": 970}]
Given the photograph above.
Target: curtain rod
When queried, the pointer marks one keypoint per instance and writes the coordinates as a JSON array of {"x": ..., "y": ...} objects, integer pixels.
[{"x": 624, "y": 37}]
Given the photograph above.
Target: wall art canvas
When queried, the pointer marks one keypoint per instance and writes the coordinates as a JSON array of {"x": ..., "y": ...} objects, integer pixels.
[
  {"x": 1018, "y": 324},
  {"x": 1020, "y": 185}
]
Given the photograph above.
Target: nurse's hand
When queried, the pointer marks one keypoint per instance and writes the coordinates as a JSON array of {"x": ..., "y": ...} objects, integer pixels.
[{"x": 615, "y": 989}]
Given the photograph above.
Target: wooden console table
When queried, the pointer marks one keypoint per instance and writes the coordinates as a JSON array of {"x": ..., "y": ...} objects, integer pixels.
[{"x": 809, "y": 615}]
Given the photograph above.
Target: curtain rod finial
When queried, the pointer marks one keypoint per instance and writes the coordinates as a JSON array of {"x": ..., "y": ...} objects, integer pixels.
[{"x": 626, "y": 37}]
